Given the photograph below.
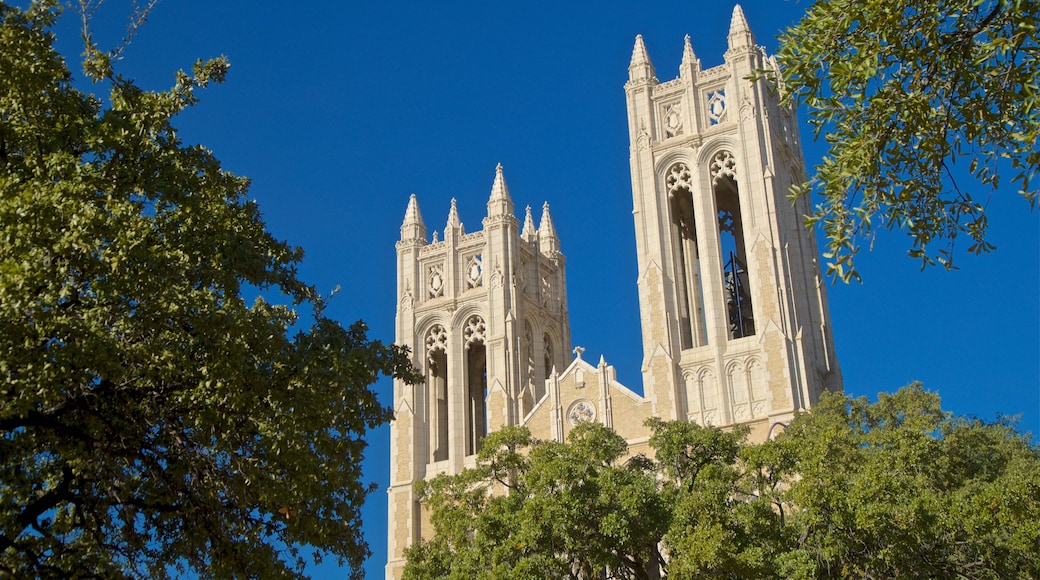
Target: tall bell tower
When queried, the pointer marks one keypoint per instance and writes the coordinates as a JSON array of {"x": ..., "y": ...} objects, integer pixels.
[
  {"x": 733, "y": 310},
  {"x": 485, "y": 315}
]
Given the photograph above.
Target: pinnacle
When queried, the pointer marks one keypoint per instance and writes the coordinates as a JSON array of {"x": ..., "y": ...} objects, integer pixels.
[
  {"x": 639, "y": 54},
  {"x": 500, "y": 203},
  {"x": 499, "y": 190},
  {"x": 453, "y": 216},
  {"x": 545, "y": 227},
  {"x": 548, "y": 242},
  {"x": 640, "y": 67},
  {"x": 688, "y": 57},
  {"x": 739, "y": 31},
  {"x": 413, "y": 226},
  {"x": 412, "y": 215},
  {"x": 529, "y": 232}
]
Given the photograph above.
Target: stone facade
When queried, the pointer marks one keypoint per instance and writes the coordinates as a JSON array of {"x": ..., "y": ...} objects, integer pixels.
[{"x": 735, "y": 325}]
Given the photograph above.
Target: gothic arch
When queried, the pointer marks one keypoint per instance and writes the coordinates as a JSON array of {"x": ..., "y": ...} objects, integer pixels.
[
  {"x": 474, "y": 379},
  {"x": 436, "y": 341},
  {"x": 555, "y": 343},
  {"x": 708, "y": 395},
  {"x": 757, "y": 383},
  {"x": 725, "y": 177},
  {"x": 530, "y": 388},
  {"x": 424, "y": 322},
  {"x": 680, "y": 198},
  {"x": 462, "y": 314}
]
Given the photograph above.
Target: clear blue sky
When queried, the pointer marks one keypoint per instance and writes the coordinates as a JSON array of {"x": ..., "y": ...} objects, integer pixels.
[{"x": 338, "y": 111}]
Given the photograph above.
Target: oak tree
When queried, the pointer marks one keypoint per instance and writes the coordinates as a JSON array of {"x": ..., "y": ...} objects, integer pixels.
[
  {"x": 899, "y": 487},
  {"x": 893, "y": 488},
  {"x": 927, "y": 106},
  {"x": 154, "y": 417}
]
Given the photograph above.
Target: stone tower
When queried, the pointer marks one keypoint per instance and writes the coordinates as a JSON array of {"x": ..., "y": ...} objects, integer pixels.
[
  {"x": 734, "y": 315},
  {"x": 735, "y": 325},
  {"x": 485, "y": 314}
]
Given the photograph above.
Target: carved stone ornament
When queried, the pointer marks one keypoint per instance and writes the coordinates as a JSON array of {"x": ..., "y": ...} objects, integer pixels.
[
  {"x": 435, "y": 281},
  {"x": 678, "y": 178},
  {"x": 717, "y": 107},
  {"x": 747, "y": 110},
  {"x": 723, "y": 164},
  {"x": 474, "y": 331},
  {"x": 581, "y": 411},
  {"x": 474, "y": 272},
  {"x": 673, "y": 122},
  {"x": 436, "y": 340},
  {"x": 643, "y": 140},
  {"x": 547, "y": 291}
]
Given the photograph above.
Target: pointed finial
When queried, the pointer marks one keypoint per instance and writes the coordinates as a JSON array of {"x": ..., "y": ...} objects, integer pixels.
[
  {"x": 500, "y": 202},
  {"x": 413, "y": 227},
  {"x": 454, "y": 223},
  {"x": 739, "y": 31},
  {"x": 602, "y": 360},
  {"x": 548, "y": 243},
  {"x": 529, "y": 233},
  {"x": 640, "y": 67},
  {"x": 688, "y": 58}
]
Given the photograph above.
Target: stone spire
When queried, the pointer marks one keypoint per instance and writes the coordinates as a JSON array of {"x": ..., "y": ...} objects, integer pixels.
[
  {"x": 529, "y": 233},
  {"x": 500, "y": 202},
  {"x": 688, "y": 57},
  {"x": 640, "y": 69},
  {"x": 548, "y": 243},
  {"x": 454, "y": 224},
  {"x": 413, "y": 227},
  {"x": 739, "y": 31}
]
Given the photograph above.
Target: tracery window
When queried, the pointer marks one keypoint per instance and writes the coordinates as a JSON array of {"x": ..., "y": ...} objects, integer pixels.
[
  {"x": 735, "y": 283},
  {"x": 437, "y": 391},
  {"x": 692, "y": 331},
  {"x": 476, "y": 384}
]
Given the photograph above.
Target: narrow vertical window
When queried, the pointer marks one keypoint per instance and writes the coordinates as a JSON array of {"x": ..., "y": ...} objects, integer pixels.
[
  {"x": 532, "y": 391},
  {"x": 476, "y": 384},
  {"x": 549, "y": 359},
  {"x": 690, "y": 297},
  {"x": 437, "y": 391},
  {"x": 740, "y": 316}
]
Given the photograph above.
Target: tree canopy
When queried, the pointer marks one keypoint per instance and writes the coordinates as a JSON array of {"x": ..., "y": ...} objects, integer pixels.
[
  {"x": 154, "y": 417},
  {"x": 897, "y": 487},
  {"x": 927, "y": 106}
]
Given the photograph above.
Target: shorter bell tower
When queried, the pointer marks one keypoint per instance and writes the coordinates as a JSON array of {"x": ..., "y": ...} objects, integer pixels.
[{"x": 485, "y": 316}]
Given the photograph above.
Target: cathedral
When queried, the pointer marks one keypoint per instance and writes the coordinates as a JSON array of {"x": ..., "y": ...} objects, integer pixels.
[{"x": 733, "y": 308}]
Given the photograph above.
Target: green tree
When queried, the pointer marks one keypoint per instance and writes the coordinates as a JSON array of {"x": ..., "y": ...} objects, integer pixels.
[
  {"x": 901, "y": 488},
  {"x": 151, "y": 420},
  {"x": 721, "y": 526},
  {"x": 904, "y": 91},
  {"x": 851, "y": 489},
  {"x": 543, "y": 509}
]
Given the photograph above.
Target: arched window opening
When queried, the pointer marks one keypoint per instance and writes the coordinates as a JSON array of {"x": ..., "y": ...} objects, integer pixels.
[
  {"x": 740, "y": 317},
  {"x": 476, "y": 384},
  {"x": 549, "y": 359},
  {"x": 692, "y": 331},
  {"x": 437, "y": 391},
  {"x": 531, "y": 391}
]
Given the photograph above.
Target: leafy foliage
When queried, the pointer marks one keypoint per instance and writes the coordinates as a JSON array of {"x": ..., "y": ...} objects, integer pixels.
[
  {"x": 902, "y": 93},
  {"x": 850, "y": 489},
  {"x": 901, "y": 488},
  {"x": 151, "y": 420}
]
